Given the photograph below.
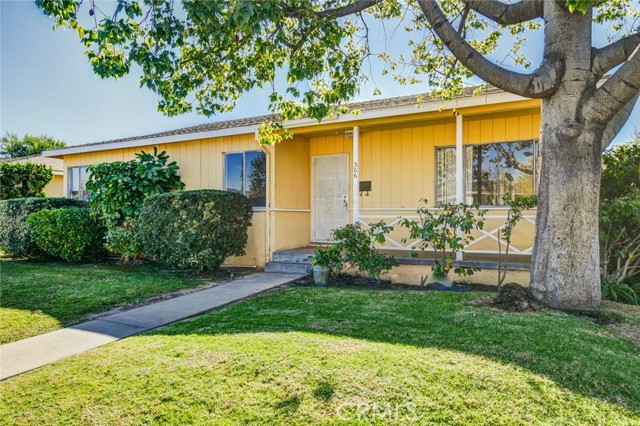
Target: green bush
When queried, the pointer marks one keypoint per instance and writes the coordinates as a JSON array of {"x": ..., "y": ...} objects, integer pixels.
[
  {"x": 620, "y": 220},
  {"x": 125, "y": 241},
  {"x": 69, "y": 234},
  {"x": 19, "y": 180},
  {"x": 358, "y": 248},
  {"x": 119, "y": 188},
  {"x": 15, "y": 232},
  {"x": 195, "y": 229},
  {"x": 621, "y": 292}
]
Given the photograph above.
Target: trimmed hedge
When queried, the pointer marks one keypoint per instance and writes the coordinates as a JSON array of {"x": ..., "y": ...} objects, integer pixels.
[
  {"x": 15, "y": 233},
  {"x": 19, "y": 180},
  {"x": 195, "y": 229},
  {"x": 69, "y": 234}
]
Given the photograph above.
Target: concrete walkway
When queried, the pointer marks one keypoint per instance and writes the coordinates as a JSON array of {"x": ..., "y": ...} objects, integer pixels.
[{"x": 28, "y": 354}]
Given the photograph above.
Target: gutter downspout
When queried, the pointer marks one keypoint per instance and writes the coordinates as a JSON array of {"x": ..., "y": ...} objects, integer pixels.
[{"x": 267, "y": 212}]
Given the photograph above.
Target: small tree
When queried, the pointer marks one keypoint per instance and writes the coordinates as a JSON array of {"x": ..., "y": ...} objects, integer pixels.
[
  {"x": 12, "y": 146},
  {"x": 358, "y": 247},
  {"x": 445, "y": 232},
  {"x": 21, "y": 180},
  {"x": 517, "y": 205},
  {"x": 118, "y": 191}
]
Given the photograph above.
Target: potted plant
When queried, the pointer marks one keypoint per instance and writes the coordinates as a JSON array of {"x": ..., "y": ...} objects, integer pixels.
[{"x": 323, "y": 261}]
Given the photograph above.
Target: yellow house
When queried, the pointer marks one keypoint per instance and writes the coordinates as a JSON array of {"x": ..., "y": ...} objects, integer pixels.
[{"x": 373, "y": 166}]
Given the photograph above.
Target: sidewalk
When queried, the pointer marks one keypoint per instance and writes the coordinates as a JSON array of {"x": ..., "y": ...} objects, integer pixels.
[{"x": 28, "y": 354}]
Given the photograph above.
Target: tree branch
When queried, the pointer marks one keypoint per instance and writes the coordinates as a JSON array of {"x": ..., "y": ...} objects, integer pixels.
[
  {"x": 608, "y": 57},
  {"x": 508, "y": 14},
  {"x": 348, "y": 9},
  {"x": 617, "y": 122},
  {"x": 616, "y": 93},
  {"x": 543, "y": 82}
]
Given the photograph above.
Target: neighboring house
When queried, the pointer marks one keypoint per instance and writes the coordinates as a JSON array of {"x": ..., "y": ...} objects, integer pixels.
[
  {"x": 55, "y": 188},
  {"x": 368, "y": 167}
]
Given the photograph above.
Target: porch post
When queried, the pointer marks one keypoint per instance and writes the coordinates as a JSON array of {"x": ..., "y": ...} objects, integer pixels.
[
  {"x": 460, "y": 196},
  {"x": 355, "y": 198}
]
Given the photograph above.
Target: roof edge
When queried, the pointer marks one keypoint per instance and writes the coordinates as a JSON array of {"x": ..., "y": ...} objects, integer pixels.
[{"x": 489, "y": 97}]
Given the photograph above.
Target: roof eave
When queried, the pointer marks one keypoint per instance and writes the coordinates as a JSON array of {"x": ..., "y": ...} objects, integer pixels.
[{"x": 494, "y": 97}]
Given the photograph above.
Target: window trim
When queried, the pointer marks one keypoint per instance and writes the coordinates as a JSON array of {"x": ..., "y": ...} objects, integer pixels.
[
  {"x": 244, "y": 169},
  {"x": 536, "y": 147}
]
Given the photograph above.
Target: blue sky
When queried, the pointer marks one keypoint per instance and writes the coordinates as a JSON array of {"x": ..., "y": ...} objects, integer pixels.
[{"x": 48, "y": 87}]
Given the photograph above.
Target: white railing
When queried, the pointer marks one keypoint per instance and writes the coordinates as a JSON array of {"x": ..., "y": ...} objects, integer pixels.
[{"x": 497, "y": 221}]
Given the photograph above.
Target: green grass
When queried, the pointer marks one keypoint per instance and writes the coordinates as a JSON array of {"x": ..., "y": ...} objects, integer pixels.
[
  {"x": 38, "y": 297},
  {"x": 307, "y": 356}
]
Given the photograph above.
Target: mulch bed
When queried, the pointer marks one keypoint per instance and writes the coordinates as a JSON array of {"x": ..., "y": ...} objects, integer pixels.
[{"x": 351, "y": 281}]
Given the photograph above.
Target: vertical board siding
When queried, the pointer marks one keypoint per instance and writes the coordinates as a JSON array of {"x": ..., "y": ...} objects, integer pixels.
[
  {"x": 398, "y": 162},
  {"x": 293, "y": 174},
  {"x": 504, "y": 127}
]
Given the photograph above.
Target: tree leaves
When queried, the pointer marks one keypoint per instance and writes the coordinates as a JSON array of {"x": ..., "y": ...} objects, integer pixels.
[
  {"x": 14, "y": 147},
  {"x": 118, "y": 189},
  {"x": 204, "y": 55},
  {"x": 20, "y": 180}
]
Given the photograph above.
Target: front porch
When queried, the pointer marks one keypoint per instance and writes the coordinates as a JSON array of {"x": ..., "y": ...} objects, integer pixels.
[
  {"x": 412, "y": 269},
  {"x": 392, "y": 166}
]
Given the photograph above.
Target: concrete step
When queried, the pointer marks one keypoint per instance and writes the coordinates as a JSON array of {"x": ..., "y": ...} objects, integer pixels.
[
  {"x": 292, "y": 257},
  {"x": 288, "y": 268}
]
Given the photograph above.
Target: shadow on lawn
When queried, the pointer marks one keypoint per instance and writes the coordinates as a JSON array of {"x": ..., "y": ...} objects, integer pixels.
[{"x": 572, "y": 351}]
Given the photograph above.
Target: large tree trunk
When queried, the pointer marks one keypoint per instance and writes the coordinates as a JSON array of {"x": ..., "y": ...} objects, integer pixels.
[{"x": 565, "y": 265}]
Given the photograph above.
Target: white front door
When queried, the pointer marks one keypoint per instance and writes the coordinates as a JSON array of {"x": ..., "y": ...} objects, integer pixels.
[{"x": 330, "y": 194}]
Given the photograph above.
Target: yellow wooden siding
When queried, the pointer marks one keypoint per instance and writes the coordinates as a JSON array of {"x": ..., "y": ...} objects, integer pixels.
[
  {"x": 504, "y": 127},
  {"x": 292, "y": 174},
  {"x": 290, "y": 229},
  {"x": 398, "y": 162},
  {"x": 55, "y": 188}
]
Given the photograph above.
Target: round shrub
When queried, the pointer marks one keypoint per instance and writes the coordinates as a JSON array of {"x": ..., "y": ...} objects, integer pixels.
[
  {"x": 15, "y": 233},
  {"x": 69, "y": 234},
  {"x": 195, "y": 229}
]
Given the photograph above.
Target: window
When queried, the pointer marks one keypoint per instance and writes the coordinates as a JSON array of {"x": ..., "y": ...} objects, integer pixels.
[
  {"x": 446, "y": 175},
  {"x": 246, "y": 173},
  {"x": 487, "y": 171},
  {"x": 77, "y": 180}
]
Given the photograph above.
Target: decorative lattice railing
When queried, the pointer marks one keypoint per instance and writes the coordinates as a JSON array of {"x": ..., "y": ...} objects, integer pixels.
[{"x": 485, "y": 241}]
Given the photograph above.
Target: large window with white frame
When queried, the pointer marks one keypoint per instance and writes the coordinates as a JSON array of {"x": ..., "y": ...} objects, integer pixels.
[
  {"x": 246, "y": 173},
  {"x": 76, "y": 182},
  {"x": 490, "y": 171}
]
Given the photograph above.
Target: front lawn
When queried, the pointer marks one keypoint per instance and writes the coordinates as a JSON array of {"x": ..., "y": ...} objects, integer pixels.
[
  {"x": 306, "y": 356},
  {"x": 38, "y": 297}
]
